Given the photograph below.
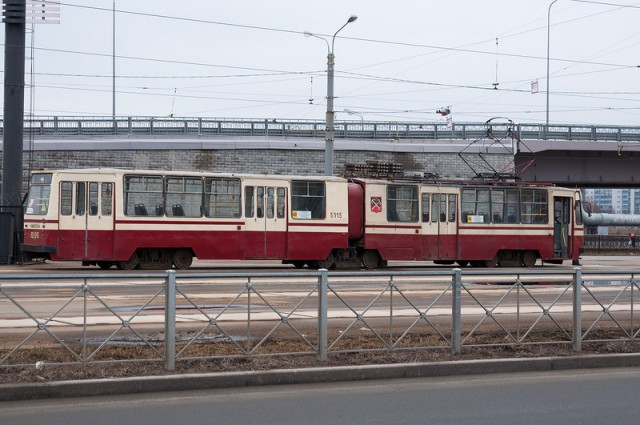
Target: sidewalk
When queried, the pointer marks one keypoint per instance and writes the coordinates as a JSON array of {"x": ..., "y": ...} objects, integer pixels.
[{"x": 183, "y": 382}]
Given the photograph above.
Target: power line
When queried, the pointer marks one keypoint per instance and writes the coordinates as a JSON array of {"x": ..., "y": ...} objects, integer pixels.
[
  {"x": 368, "y": 40},
  {"x": 607, "y": 4}
]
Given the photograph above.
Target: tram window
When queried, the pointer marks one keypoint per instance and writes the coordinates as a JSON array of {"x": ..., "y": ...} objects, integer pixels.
[
  {"x": 106, "y": 199},
  {"x": 66, "y": 198},
  {"x": 425, "y": 207},
  {"x": 402, "y": 203},
  {"x": 308, "y": 200},
  {"x": 270, "y": 202},
  {"x": 512, "y": 206},
  {"x": 443, "y": 208},
  {"x": 222, "y": 198},
  {"x": 39, "y": 194},
  {"x": 452, "y": 208},
  {"x": 143, "y": 191},
  {"x": 534, "y": 206},
  {"x": 183, "y": 197},
  {"x": 476, "y": 205},
  {"x": 260, "y": 202},
  {"x": 281, "y": 202},
  {"x": 498, "y": 206},
  {"x": 435, "y": 207},
  {"x": 81, "y": 200},
  {"x": 561, "y": 210},
  {"x": 505, "y": 206},
  {"x": 578, "y": 212},
  {"x": 93, "y": 198},
  {"x": 248, "y": 201}
]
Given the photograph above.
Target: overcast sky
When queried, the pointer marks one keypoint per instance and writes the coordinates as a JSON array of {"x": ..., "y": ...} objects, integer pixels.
[{"x": 399, "y": 61}]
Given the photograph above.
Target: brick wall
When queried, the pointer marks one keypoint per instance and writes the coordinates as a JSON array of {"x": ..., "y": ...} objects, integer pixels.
[{"x": 271, "y": 161}]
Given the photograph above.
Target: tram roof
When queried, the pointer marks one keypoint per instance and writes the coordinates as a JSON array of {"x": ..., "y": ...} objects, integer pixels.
[
  {"x": 130, "y": 171},
  {"x": 366, "y": 180},
  {"x": 457, "y": 183}
]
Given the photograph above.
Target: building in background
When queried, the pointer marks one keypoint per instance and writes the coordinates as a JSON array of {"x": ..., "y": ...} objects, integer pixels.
[{"x": 613, "y": 201}]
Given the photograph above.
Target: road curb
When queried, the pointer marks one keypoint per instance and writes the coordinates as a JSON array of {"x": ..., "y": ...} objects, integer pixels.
[{"x": 150, "y": 384}]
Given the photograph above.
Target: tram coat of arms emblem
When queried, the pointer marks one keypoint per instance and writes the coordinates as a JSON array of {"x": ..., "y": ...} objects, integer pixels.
[{"x": 376, "y": 204}]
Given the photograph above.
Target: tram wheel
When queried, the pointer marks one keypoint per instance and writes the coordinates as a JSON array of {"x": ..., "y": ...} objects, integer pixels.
[
  {"x": 492, "y": 263},
  {"x": 130, "y": 264},
  {"x": 298, "y": 264},
  {"x": 104, "y": 265},
  {"x": 327, "y": 263},
  {"x": 182, "y": 259},
  {"x": 529, "y": 258},
  {"x": 370, "y": 259},
  {"x": 462, "y": 263}
]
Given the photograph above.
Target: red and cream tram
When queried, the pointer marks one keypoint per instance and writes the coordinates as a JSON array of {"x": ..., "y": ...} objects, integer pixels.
[{"x": 152, "y": 219}]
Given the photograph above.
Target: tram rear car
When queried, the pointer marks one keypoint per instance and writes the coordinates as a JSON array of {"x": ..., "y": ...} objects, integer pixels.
[{"x": 471, "y": 223}]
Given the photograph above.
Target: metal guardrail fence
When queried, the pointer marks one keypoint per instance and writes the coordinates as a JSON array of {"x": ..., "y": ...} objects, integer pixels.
[
  {"x": 70, "y": 126},
  {"x": 605, "y": 244},
  {"x": 220, "y": 316}
]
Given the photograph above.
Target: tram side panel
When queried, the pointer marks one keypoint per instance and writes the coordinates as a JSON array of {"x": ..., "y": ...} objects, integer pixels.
[
  {"x": 518, "y": 224},
  {"x": 318, "y": 218},
  {"x": 40, "y": 238},
  {"x": 70, "y": 216},
  {"x": 391, "y": 225}
]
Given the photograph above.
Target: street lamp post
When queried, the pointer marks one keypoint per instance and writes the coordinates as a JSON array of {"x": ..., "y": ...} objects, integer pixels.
[
  {"x": 113, "y": 64},
  {"x": 329, "y": 126},
  {"x": 546, "y": 130}
]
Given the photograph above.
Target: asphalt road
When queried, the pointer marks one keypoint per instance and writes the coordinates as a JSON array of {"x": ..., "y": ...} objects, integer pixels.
[{"x": 603, "y": 396}]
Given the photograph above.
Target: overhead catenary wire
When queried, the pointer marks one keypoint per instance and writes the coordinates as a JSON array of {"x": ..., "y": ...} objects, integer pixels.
[{"x": 254, "y": 73}]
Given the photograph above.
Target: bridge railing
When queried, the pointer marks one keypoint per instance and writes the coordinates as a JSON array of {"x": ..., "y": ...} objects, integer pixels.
[
  {"x": 169, "y": 317},
  {"x": 122, "y": 126},
  {"x": 610, "y": 244}
]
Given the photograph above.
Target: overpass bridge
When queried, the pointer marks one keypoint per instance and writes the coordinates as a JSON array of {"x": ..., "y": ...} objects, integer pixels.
[
  {"x": 566, "y": 154},
  {"x": 198, "y": 127}
]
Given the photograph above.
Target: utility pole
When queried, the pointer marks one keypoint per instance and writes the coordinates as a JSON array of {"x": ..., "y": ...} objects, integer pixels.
[{"x": 14, "y": 56}]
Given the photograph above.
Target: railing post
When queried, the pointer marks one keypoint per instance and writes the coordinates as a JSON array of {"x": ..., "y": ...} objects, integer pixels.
[
  {"x": 577, "y": 309},
  {"x": 170, "y": 321},
  {"x": 456, "y": 311},
  {"x": 323, "y": 287}
]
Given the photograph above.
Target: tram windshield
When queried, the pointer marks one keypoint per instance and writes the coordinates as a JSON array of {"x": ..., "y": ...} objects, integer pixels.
[{"x": 39, "y": 194}]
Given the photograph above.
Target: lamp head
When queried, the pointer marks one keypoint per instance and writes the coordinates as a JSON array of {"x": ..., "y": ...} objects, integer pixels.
[{"x": 352, "y": 18}]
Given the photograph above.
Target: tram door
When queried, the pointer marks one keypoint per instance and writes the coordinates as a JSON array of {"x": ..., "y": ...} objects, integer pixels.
[
  {"x": 440, "y": 233},
  {"x": 561, "y": 225},
  {"x": 86, "y": 220},
  {"x": 266, "y": 222}
]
